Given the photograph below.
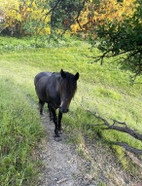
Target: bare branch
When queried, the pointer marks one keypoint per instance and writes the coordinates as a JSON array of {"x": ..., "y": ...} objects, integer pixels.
[
  {"x": 137, "y": 83},
  {"x": 124, "y": 129},
  {"x": 128, "y": 148},
  {"x": 94, "y": 125},
  {"x": 99, "y": 117},
  {"x": 75, "y": 19},
  {"x": 113, "y": 126},
  {"x": 122, "y": 123},
  {"x": 46, "y": 14},
  {"x": 79, "y": 24}
]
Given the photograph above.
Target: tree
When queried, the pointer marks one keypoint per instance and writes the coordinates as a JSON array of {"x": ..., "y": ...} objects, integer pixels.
[
  {"x": 123, "y": 37},
  {"x": 10, "y": 10},
  {"x": 21, "y": 16},
  {"x": 39, "y": 17},
  {"x": 117, "y": 27},
  {"x": 64, "y": 14},
  {"x": 96, "y": 12}
]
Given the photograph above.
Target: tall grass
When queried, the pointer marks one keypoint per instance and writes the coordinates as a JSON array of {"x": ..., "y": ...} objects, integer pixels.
[
  {"x": 19, "y": 131},
  {"x": 106, "y": 89}
]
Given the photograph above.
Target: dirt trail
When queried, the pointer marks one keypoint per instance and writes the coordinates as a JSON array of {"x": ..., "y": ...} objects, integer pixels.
[
  {"x": 64, "y": 167},
  {"x": 62, "y": 164}
]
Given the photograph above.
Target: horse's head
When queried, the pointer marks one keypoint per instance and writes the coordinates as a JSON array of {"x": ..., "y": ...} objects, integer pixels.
[{"x": 67, "y": 89}]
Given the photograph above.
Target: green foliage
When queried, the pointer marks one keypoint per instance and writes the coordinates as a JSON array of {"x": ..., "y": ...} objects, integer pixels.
[
  {"x": 65, "y": 12},
  {"x": 39, "y": 18},
  {"x": 25, "y": 17},
  {"x": 123, "y": 37},
  {"x": 27, "y": 43}
]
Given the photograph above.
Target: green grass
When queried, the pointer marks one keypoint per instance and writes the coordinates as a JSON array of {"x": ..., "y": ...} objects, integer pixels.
[
  {"x": 19, "y": 130},
  {"x": 106, "y": 89}
]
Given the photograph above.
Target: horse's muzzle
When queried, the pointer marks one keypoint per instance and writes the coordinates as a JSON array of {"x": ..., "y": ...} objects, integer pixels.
[{"x": 63, "y": 110}]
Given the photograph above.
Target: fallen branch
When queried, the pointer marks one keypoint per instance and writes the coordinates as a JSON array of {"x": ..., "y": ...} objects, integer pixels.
[
  {"x": 128, "y": 148},
  {"x": 114, "y": 126},
  {"x": 124, "y": 128}
]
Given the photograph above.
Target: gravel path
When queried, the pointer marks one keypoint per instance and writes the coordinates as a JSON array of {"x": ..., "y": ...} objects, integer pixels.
[{"x": 63, "y": 166}]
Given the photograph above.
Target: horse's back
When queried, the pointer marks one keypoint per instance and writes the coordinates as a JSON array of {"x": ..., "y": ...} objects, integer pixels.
[
  {"x": 47, "y": 86},
  {"x": 40, "y": 75}
]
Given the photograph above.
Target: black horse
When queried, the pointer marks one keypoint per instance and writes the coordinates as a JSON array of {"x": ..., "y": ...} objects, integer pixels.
[{"x": 56, "y": 89}]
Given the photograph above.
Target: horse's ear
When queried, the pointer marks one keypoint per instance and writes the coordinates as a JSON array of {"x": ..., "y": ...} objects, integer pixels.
[
  {"x": 77, "y": 76},
  {"x": 63, "y": 74}
]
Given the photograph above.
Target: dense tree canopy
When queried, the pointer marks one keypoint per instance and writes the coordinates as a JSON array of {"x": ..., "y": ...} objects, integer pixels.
[
  {"x": 65, "y": 13},
  {"x": 116, "y": 27},
  {"x": 123, "y": 36}
]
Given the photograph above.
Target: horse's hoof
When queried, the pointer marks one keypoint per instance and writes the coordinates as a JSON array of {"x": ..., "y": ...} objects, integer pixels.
[
  {"x": 57, "y": 138},
  {"x": 41, "y": 115},
  {"x": 60, "y": 132},
  {"x": 56, "y": 135}
]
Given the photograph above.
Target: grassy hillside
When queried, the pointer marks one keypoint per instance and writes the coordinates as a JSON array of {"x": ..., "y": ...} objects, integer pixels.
[{"x": 105, "y": 88}]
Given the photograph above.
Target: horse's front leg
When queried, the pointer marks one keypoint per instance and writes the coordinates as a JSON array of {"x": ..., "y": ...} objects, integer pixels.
[
  {"x": 55, "y": 121},
  {"x": 59, "y": 121}
]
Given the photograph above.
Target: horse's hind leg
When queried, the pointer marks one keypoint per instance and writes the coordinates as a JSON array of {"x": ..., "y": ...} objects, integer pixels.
[
  {"x": 55, "y": 121},
  {"x": 50, "y": 113},
  {"x": 41, "y": 105}
]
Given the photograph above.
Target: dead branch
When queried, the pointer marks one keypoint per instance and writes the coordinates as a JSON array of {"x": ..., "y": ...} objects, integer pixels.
[
  {"x": 75, "y": 19},
  {"x": 107, "y": 54},
  {"x": 46, "y": 14},
  {"x": 123, "y": 128},
  {"x": 79, "y": 24},
  {"x": 128, "y": 148},
  {"x": 114, "y": 126},
  {"x": 94, "y": 125}
]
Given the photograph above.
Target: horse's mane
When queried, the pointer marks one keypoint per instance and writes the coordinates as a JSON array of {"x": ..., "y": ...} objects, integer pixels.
[{"x": 71, "y": 83}]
